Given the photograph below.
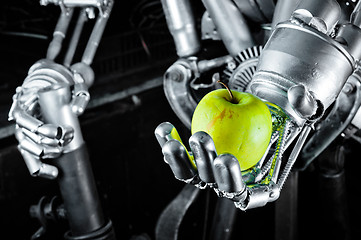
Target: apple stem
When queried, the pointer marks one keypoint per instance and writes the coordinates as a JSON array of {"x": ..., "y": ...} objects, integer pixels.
[{"x": 229, "y": 90}]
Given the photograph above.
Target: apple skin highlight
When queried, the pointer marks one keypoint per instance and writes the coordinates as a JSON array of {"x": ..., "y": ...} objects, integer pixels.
[{"x": 242, "y": 127}]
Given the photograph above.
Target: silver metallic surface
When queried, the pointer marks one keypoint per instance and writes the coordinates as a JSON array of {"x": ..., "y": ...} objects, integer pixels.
[
  {"x": 204, "y": 152},
  {"x": 31, "y": 154},
  {"x": 59, "y": 97},
  {"x": 304, "y": 69},
  {"x": 343, "y": 113},
  {"x": 39, "y": 151},
  {"x": 257, "y": 10},
  {"x": 37, "y": 168},
  {"x": 208, "y": 28},
  {"x": 102, "y": 5},
  {"x": 39, "y": 139},
  {"x": 176, "y": 156},
  {"x": 75, "y": 39},
  {"x": 302, "y": 101},
  {"x": 259, "y": 196},
  {"x": 82, "y": 74},
  {"x": 182, "y": 26},
  {"x": 163, "y": 133},
  {"x": 45, "y": 139},
  {"x": 239, "y": 73},
  {"x": 97, "y": 34},
  {"x": 179, "y": 79},
  {"x": 206, "y": 65},
  {"x": 354, "y": 90},
  {"x": 320, "y": 14},
  {"x": 236, "y": 37},
  {"x": 293, "y": 155},
  {"x": 81, "y": 98},
  {"x": 78, "y": 3},
  {"x": 46, "y": 72},
  {"x": 265, "y": 168},
  {"x": 176, "y": 88},
  {"x": 228, "y": 180},
  {"x": 281, "y": 66},
  {"x": 283, "y": 11},
  {"x": 271, "y": 169},
  {"x": 355, "y": 17},
  {"x": 59, "y": 34},
  {"x": 227, "y": 174},
  {"x": 350, "y": 36},
  {"x": 233, "y": 196},
  {"x": 56, "y": 129}
]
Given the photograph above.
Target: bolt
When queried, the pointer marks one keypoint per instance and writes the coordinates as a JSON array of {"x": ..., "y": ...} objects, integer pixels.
[
  {"x": 174, "y": 75},
  {"x": 90, "y": 13},
  {"x": 231, "y": 65},
  {"x": 348, "y": 88}
]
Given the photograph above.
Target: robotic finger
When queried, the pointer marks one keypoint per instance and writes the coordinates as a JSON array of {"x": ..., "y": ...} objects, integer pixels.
[
  {"x": 37, "y": 168},
  {"x": 39, "y": 150},
  {"x": 204, "y": 168},
  {"x": 204, "y": 153},
  {"x": 177, "y": 157},
  {"x": 32, "y": 153},
  {"x": 308, "y": 75}
]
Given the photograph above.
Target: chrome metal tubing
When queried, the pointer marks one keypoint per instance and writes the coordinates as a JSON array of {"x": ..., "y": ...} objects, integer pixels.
[
  {"x": 323, "y": 68},
  {"x": 58, "y": 97},
  {"x": 59, "y": 34},
  {"x": 283, "y": 11},
  {"x": 182, "y": 26},
  {"x": 204, "y": 152},
  {"x": 75, "y": 179},
  {"x": 96, "y": 35},
  {"x": 321, "y": 14},
  {"x": 236, "y": 36},
  {"x": 79, "y": 193},
  {"x": 75, "y": 38}
]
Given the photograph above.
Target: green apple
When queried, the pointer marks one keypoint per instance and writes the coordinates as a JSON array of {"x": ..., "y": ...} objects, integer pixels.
[{"x": 239, "y": 123}]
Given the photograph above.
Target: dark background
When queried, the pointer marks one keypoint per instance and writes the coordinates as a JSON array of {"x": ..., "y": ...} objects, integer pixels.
[{"x": 134, "y": 183}]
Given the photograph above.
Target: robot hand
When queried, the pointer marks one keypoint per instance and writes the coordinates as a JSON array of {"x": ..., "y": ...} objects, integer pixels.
[
  {"x": 38, "y": 139},
  {"x": 203, "y": 167},
  {"x": 40, "y": 135},
  {"x": 308, "y": 59}
]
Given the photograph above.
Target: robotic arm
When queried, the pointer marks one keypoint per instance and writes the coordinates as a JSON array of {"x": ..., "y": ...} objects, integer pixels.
[
  {"x": 41, "y": 138},
  {"x": 46, "y": 109},
  {"x": 307, "y": 70}
]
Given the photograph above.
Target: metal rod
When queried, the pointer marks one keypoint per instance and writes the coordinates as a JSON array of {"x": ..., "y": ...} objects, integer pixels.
[
  {"x": 356, "y": 16},
  {"x": 236, "y": 37},
  {"x": 74, "y": 3},
  {"x": 182, "y": 25},
  {"x": 293, "y": 156},
  {"x": 79, "y": 193},
  {"x": 96, "y": 35},
  {"x": 75, "y": 179},
  {"x": 82, "y": 3},
  {"x": 59, "y": 34},
  {"x": 75, "y": 38}
]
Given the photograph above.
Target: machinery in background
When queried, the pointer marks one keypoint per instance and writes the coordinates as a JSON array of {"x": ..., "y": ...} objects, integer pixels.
[{"x": 301, "y": 56}]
